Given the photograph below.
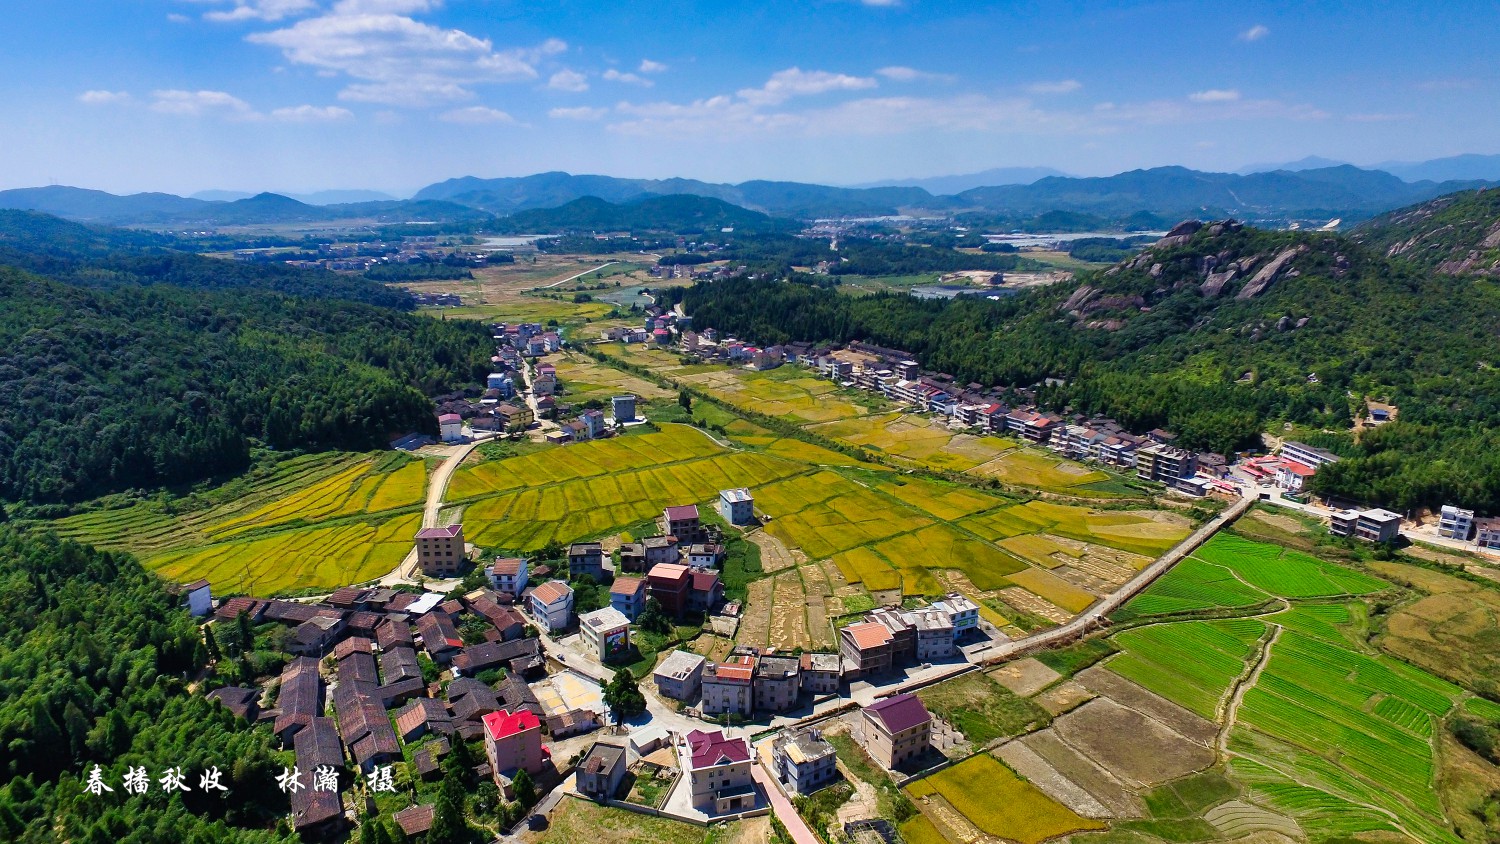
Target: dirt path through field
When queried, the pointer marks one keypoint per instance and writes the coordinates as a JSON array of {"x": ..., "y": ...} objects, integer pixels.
[{"x": 1231, "y": 710}]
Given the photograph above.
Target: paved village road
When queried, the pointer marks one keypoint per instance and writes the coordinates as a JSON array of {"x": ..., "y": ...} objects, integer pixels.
[{"x": 437, "y": 489}]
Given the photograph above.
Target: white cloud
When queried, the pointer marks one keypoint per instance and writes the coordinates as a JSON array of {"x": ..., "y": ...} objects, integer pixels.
[
  {"x": 261, "y": 10},
  {"x": 1215, "y": 95},
  {"x": 1255, "y": 33},
  {"x": 395, "y": 59},
  {"x": 477, "y": 115},
  {"x": 176, "y": 17},
  {"x": 578, "y": 113},
  {"x": 312, "y": 114},
  {"x": 199, "y": 103},
  {"x": 795, "y": 82},
  {"x": 627, "y": 78},
  {"x": 104, "y": 97},
  {"x": 900, "y": 73},
  {"x": 568, "y": 80},
  {"x": 881, "y": 4},
  {"x": 1059, "y": 86},
  {"x": 648, "y": 66}
]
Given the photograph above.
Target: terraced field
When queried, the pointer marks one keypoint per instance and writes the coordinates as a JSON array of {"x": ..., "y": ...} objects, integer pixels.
[
  {"x": 1191, "y": 663},
  {"x": 315, "y": 521}
]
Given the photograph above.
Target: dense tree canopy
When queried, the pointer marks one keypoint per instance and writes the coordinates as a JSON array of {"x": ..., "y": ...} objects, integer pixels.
[{"x": 94, "y": 662}]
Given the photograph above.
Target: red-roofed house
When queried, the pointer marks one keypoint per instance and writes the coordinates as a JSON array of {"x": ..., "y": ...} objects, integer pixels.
[
  {"x": 866, "y": 646},
  {"x": 705, "y": 591},
  {"x": 508, "y": 575},
  {"x": 682, "y": 522},
  {"x": 728, "y": 686},
  {"x": 513, "y": 742},
  {"x": 718, "y": 771},
  {"x": 669, "y": 584},
  {"x": 440, "y": 550},
  {"x": 1293, "y": 476},
  {"x": 897, "y": 730}
]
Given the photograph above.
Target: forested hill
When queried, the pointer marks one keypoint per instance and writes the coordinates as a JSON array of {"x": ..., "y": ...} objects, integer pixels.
[
  {"x": 682, "y": 214},
  {"x": 129, "y": 387},
  {"x": 1219, "y": 333},
  {"x": 1457, "y": 234},
  {"x": 103, "y": 257},
  {"x": 93, "y": 656}
]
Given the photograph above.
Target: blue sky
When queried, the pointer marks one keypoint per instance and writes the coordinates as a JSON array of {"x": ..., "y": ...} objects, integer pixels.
[{"x": 297, "y": 95}]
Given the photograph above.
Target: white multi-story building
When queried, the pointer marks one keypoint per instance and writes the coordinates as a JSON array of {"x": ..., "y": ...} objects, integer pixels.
[
  {"x": 1455, "y": 523},
  {"x": 1307, "y": 455}
]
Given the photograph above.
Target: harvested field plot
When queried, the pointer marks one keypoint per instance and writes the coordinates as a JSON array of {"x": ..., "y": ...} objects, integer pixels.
[
  {"x": 996, "y": 801},
  {"x": 1040, "y": 773},
  {"x": 1139, "y": 751},
  {"x": 1119, "y": 801},
  {"x": 1063, "y": 697},
  {"x": 1438, "y": 631},
  {"x": 1025, "y": 677},
  {"x": 788, "y": 625}
]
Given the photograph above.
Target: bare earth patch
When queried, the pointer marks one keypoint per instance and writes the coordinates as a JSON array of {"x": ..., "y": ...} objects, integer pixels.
[
  {"x": 788, "y": 613},
  {"x": 1025, "y": 761},
  {"x": 1110, "y": 792},
  {"x": 1064, "y": 697},
  {"x": 1139, "y": 751},
  {"x": 755, "y": 621},
  {"x": 1106, "y": 683},
  {"x": 1025, "y": 677}
]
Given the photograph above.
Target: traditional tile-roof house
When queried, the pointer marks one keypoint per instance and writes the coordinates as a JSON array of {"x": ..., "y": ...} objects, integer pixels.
[
  {"x": 471, "y": 700},
  {"x": 400, "y": 663},
  {"x": 315, "y": 812},
  {"x": 300, "y": 699},
  {"x": 421, "y": 716},
  {"x": 439, "y": 637},
  {"x": 243, "y": 702},
  {"x": 897, "y": 730},
  {"x": 414, "y": 820},
  {"x": 519, "y": 656},
  {"x": 661, "y": 549}
]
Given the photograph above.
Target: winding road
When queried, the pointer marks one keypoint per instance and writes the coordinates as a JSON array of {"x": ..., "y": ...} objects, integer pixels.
[{"x": 437, "y": 489}]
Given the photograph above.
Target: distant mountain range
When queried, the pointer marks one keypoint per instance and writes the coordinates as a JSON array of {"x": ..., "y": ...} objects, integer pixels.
[
  {"x": 1454, "y": 168},
  {"x": 322, "y": 197},
  {"x": 1311, "y": 189},
  {"x": 948, "y": 185},
  {"x": 169, "y": 210}
]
